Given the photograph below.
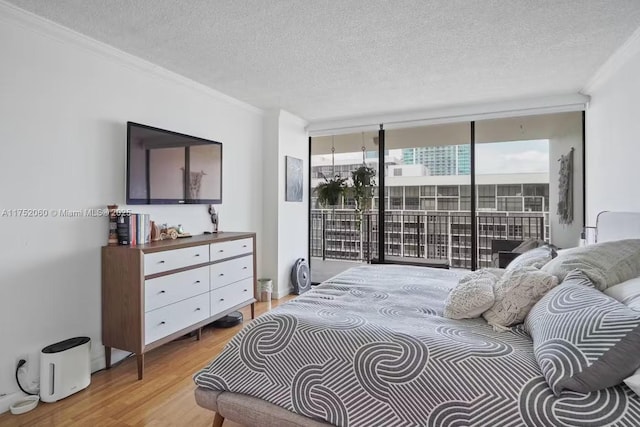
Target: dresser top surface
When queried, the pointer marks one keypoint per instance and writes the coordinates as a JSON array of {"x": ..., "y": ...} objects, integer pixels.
[{"x": 185, "y": 242}]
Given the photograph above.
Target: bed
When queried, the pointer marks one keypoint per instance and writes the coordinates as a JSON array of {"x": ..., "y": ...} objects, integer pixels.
[{"x": 371, "y": 347}]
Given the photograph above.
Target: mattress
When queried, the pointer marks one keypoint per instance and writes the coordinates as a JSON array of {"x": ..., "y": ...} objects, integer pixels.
[{"x": 370, "y": 347}]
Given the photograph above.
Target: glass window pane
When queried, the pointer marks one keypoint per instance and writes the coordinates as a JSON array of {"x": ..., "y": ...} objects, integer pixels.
[
  {"x": 435, "y": 162},
  {"x": 447, "y": 190},
  {"x": 428, "y": 204},
  {"x": 509, "y": 190},
  {"x": 340, "y": 231},
  {"x": 428, "y": 190}
]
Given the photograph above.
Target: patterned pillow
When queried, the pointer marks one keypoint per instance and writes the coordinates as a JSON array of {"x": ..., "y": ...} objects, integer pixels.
[
  {"x": 583, "y": 339},
  {"x": 627, "y": 292},
  {"x": 516, "y": 292},
  {"x": 473, "y": 294},
  {"x": 606, "y": 264},
  {"x": 533, "y": 258}
]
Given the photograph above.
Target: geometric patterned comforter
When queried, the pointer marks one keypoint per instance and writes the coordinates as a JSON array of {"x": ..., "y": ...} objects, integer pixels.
[{"x": 370, "y": 348}]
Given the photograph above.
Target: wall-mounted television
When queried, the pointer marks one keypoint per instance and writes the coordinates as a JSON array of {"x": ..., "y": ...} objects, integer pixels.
[{"x": 165, "y": 167}]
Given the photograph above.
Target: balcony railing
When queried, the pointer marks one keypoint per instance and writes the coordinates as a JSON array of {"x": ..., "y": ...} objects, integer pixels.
[{"x": 438, "y": 236}]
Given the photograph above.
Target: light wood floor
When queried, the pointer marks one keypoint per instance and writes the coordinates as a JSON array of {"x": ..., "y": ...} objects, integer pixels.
[{"x": 163, "y": 398}]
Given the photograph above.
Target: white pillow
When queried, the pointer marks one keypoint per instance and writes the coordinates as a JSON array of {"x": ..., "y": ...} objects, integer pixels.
[
  {"x": 633, "y": 382},
  {"x": 627, "y": 292},
  {"x": 537, "y": 258},
  {"x": 473, "y": 294},
  {"x": 516, "y": 293}
]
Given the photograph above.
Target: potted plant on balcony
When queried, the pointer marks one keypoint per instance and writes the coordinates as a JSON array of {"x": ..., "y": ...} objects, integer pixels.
[
  {"x": 330, "y": 191},
  {"x": 363, "y": 180}
]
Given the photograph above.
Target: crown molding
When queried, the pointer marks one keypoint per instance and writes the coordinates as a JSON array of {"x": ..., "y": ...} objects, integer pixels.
[
  {"x": 494, "y": 110},
  {"x": 30, "y": 21},
  {"x": 616, "y": 61}
]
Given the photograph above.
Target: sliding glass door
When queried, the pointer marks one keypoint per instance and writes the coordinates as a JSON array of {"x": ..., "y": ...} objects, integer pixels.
[
  {"x": 454, "y": 195},
  {"x": 344, "y": 170},
  {"x": 518, "y": 179},
  {"x": 427, "y": 212}
]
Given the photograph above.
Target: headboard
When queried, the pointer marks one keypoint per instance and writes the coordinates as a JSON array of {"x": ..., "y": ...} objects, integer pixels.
[{"x": 617, "y": 226}]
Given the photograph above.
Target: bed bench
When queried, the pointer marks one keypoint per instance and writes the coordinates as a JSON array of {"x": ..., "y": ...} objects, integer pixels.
[{"x": 250, "y": 411}]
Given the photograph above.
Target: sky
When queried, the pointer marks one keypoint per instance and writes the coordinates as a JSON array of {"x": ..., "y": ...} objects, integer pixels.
[
  {"x": 495, "y": 157},
  {"x": 513, "y": 157}
]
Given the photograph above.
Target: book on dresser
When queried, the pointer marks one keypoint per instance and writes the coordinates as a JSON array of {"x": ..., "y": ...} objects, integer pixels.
[
  {"x": 156, "y": 292},
  {"x": 133, "y": 228}
]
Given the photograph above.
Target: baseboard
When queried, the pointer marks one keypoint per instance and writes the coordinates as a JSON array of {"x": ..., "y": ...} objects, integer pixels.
[
  {"x": 8, "y": 400},
  {"x": 98, "y": 363},
  {"x": 278, "y": 295}
]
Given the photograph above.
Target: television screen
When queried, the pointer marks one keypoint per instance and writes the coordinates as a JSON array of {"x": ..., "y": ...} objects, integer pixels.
[{"x": 165, "y": 167}]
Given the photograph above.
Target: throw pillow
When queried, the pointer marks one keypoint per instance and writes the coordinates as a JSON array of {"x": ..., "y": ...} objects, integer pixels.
[
  {"x": 533, "y": 258},
  {"x": 633, "y": 382},
  {"x": 627, "y": 292},
  {"x": 516, "y": 293},
  {"x": 583, "y": 339},
  {"x": 527, "y": 245},
  {"x": 473, "y": 294},
  {"x": 606, "y": 264}
]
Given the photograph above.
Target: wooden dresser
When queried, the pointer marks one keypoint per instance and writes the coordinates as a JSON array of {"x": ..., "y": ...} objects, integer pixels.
[{"x": 157, "y": 292}]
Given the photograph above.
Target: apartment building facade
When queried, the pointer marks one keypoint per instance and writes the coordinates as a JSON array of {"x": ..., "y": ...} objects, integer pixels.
[
  {"x": 440, "y": 160},
  {"x": 429, "y": 217}
]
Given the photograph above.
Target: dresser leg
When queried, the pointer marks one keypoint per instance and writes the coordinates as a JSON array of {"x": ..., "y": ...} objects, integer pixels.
[
  {"x": 107, "y": 356},
  {"x": 140, "y": 358},
  {"x": 199, "y": 334},
  {"x": 253, "y": 310}
]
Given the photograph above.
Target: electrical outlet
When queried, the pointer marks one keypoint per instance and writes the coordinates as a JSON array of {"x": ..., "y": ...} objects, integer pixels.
[
  {"x": 24, "y": 357},
  {"x": 29, "y": 372}
]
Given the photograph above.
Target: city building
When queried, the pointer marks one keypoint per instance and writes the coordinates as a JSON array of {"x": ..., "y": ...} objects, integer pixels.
[
  {"x": 429, "y": 217},
  {"x": 440, "y": 160}
]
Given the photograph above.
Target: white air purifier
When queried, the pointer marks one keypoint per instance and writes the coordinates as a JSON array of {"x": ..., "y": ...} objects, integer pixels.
[{"x": 65, "y": 368}]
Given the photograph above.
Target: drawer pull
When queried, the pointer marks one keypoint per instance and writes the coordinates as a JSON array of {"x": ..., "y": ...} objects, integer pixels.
[
  {"x": 197, "y": 255},
  {"x": 162, "y": 292},
  {"x": 244, "y": 268},
  {"x": 161, "y": 262},
  {"x": 163, "y": 323},
  {"x": 245, "y": 290},
  {"x": 244, "y": 246},
  {"x": 220, "y": 250},
  {"x": 196, "y": 282},
  {"x": 197, "y": 309},
  {"x": 221, "y": 274},
  {"x": 221, "y": 299}
]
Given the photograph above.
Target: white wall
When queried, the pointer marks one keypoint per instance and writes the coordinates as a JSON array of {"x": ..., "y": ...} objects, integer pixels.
[
  {"x": 567, "y": 137},
  {"x": 613, "y": 140},
  {"x": 293, "y": 217},
  {"x": 285, "y": 223},
  {"x": 270, "y": 198},
  {"x": 64, "y": 104}
]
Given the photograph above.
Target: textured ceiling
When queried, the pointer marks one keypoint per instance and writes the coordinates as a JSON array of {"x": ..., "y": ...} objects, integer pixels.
[{"x": 324, "y": 59}]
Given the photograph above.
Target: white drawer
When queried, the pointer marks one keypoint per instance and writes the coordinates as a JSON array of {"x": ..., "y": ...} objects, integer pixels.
[
  {"x": 167, "y": 320},
  {"x": 175, "y": 287},
  {"x": 231, "y": 248},
  {"x": 158, "y": 262},
  {"x": 230, "y": 295},
  {"x": 227, "y": 272}
]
